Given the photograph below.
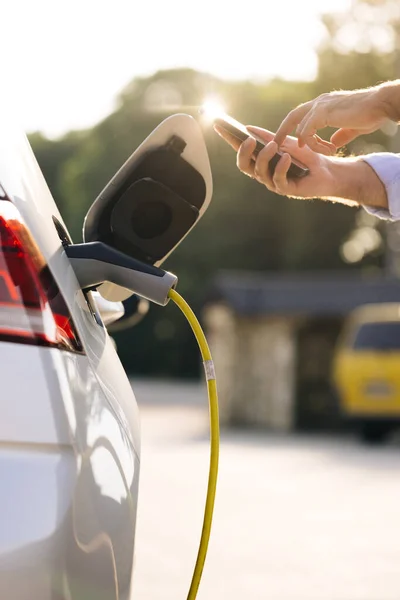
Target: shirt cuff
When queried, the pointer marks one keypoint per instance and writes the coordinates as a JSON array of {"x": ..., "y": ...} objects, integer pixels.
[{"x": 387, "y": 167}]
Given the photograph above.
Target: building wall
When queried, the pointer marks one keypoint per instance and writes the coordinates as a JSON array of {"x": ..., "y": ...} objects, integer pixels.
[{"x": 255, "y": 362}]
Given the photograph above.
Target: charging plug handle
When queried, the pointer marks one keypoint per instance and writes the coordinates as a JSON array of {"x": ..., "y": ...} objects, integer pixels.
[{"x": 96, "y": 262}]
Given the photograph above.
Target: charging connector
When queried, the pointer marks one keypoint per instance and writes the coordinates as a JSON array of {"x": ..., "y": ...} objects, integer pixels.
[{"x": 95, "y": 262}]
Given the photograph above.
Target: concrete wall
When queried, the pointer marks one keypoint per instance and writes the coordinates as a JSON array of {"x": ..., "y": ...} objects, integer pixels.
[{"x": 255, "y": 363}]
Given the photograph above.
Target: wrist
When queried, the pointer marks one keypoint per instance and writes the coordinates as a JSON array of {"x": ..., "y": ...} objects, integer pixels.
[
  {"x": 356, "y": 183},
  {"x": 388, "y": 95}
]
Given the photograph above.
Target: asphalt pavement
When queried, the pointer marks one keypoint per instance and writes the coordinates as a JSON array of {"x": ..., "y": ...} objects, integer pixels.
[{"x": 297, "y": 517}]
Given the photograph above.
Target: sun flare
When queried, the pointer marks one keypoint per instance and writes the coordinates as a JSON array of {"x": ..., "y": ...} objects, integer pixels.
[{"x": 212, "y": 108}]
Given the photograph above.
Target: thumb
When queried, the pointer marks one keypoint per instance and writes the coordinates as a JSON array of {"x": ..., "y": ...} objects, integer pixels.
[{"x": 344, "y": 136}]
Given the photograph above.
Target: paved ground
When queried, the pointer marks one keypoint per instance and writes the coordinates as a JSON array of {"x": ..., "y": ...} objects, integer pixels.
[{"x": 297, "y": 517}]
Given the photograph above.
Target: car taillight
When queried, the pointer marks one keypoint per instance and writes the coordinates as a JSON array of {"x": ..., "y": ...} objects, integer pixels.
[{"x": 32, "y": 310}]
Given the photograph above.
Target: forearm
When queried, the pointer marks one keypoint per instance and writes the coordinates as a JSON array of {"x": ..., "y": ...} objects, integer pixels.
[{"x": 356, "y": 183}]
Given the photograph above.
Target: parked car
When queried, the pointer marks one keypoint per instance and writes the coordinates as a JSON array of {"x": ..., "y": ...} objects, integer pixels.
[
  {"x": 367, "y": 370},
  {"x": 69, "y": 427}
]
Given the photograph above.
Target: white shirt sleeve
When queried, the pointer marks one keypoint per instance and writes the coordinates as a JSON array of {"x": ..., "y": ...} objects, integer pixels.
[{"x": 387, "y": 166}]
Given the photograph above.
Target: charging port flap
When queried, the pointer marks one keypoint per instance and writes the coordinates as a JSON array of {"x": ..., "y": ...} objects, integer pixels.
[{"x": 156, "y": 197}]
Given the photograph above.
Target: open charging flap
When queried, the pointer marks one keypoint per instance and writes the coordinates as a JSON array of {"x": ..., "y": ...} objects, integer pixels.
[{"x": 155, "y": 199}]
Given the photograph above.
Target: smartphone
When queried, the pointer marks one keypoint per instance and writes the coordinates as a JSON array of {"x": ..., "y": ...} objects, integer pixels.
[{"x": 239, "y": 131}]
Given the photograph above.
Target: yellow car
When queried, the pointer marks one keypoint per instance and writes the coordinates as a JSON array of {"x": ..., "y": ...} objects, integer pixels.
[{"x": 366, "y": 370}]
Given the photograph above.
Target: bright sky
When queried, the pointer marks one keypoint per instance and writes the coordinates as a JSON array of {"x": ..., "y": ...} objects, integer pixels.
[{"x": 66, "y": 62}]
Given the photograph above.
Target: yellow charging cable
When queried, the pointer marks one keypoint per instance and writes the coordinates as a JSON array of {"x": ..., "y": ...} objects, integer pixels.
[{"x": 214, "y": 439}]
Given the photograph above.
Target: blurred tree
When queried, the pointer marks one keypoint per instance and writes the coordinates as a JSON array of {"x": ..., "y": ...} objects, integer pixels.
[
  {"x": 362, "y": 45},
  {"x": 51, "y": 156}
]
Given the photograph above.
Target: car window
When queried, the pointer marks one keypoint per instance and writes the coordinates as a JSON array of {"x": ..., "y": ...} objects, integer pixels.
[{"x": 378, "y": 336}]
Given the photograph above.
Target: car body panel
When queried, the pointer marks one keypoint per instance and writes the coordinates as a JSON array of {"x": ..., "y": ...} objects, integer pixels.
[
  {"x": 65, "y": 446},
  {"x": 38, "y": 208},
  {"x": 369, "y": 383},
  {"x": 69, "y": 433},
  {"x": 63, "y": 534}
]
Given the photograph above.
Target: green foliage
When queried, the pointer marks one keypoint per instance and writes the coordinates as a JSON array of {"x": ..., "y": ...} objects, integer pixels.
[
  {"x": 52, "y": 156},
  {"x": 246, "y": 226}
]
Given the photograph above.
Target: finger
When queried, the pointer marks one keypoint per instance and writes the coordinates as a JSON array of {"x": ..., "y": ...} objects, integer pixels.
[
  {"x": 291, "y": 121},
  {"x": 321, "y": 140},
  {"x": 309, "y": 126},
  {"x": 344, "y": 136},
  {"x": 261, "y": 169},
  {"x": 299, "y": 129},
  {"x": 321, "y": 146},
  {"x": 230, "y": 139},
  {"x": 244, "y": 159},
  {"x": 280, "y": 174},
  {"x": 264, "y": 135}
]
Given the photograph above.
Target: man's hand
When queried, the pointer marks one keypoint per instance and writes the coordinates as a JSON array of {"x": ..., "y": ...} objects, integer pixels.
[
  {"x": 354, "y": 113},
  {"x": 350, "y": 181},
  {"x": 320, "y": 181}
]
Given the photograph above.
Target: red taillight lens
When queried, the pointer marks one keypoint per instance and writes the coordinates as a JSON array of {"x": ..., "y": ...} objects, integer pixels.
[{"x": 32, "y": 309}]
